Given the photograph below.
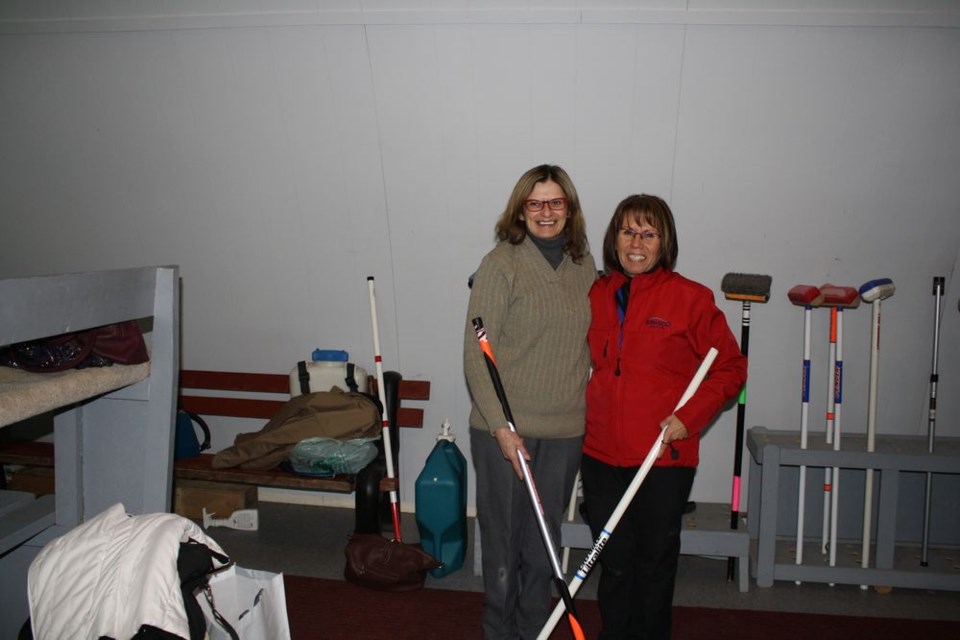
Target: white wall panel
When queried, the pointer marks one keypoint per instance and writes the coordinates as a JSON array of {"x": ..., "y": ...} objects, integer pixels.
[
  {"x": 281, "y": 157},
  {"x": 791, "y": 142},
  {"x": 628, "y": 91}
]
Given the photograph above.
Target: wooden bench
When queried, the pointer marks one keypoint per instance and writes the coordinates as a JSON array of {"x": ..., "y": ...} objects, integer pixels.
[
  {"x": 242, "y": 395},
  {"x": 370, "y": 485}
]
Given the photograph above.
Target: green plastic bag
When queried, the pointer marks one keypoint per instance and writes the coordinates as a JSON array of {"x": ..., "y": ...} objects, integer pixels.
[{"x": 326, "y": 457}]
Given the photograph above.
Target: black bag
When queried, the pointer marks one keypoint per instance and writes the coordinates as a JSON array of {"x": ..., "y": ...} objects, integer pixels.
[
  {"x": 195, "y": 566},
  {"x": 386, "y": 565}
]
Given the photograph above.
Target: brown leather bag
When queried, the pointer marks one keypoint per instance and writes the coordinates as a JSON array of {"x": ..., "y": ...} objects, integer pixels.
[{"x": 386, "y": 565}]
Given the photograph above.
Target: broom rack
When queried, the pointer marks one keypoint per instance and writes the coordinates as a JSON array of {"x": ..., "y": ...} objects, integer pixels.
[{"x": 900, "y": 463}]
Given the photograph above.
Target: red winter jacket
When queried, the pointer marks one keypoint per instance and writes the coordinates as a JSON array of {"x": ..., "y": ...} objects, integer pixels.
[{"x": 641, "y": 370}]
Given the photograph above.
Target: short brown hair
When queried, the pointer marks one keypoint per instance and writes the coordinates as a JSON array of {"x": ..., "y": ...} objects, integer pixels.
[
  {"x": 642, "y": 208},
  {"x": 511, "y": 226}
]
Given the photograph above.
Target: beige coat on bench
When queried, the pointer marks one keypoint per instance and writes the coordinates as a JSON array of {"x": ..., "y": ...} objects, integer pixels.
[{"x": 333, "y": 414}]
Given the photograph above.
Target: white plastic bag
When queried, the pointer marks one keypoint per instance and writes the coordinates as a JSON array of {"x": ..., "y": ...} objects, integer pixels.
[{"x": 253, "y": 602}]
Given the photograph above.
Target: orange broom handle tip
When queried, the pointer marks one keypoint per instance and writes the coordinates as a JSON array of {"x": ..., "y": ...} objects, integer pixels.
[
  {"x": 487, "y": 350},
  {"x": 575, "y": 628}
]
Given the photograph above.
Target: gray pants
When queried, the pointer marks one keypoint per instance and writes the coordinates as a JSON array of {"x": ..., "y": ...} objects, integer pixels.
[{"x": 517, "y": 574}]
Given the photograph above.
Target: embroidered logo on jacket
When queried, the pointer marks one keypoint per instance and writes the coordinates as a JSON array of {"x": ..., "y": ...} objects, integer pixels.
[{"x": 657, "y": 323}]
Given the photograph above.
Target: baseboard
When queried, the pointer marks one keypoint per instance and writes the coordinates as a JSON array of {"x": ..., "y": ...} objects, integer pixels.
[{"x": 322, "y": 499}]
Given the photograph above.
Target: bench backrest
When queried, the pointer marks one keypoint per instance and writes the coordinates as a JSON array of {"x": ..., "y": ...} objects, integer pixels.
[{"x": 236, "y": 405}]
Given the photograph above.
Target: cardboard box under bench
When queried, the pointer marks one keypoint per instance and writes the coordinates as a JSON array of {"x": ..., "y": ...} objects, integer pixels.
[{"x": 191, "y": 497}]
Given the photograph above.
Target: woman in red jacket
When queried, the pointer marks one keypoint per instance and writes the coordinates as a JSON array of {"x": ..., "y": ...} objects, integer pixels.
[{"x": 650, "y": 329}]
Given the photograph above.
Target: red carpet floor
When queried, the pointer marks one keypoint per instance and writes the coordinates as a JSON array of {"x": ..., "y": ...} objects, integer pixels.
[{"x": 336, "y": 610}]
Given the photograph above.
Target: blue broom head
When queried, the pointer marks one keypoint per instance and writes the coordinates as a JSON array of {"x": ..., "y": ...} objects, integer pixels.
[{"x": 879, "y": 289}]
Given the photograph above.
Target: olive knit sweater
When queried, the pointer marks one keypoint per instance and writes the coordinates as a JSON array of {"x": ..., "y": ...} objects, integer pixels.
[{"x": 536, "y": 319}]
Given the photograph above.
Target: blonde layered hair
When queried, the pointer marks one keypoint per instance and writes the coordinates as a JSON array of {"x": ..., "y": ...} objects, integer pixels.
[{"x": 511, "y": 226}]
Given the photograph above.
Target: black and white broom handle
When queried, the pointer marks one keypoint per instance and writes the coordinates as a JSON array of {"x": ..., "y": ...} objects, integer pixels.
[
  {"x": 565, "y": 595},
  {"x": 741, "y": 426},
  {"x": 628, "y": 495}
]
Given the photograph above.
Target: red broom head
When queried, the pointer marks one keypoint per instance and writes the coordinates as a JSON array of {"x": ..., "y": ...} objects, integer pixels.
[
  {"x": 805, "y": 295},
  {"x": 840, "y": 297}
]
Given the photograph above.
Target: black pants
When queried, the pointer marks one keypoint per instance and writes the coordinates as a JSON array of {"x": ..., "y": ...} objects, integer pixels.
[{"x": 639, "y": 561}]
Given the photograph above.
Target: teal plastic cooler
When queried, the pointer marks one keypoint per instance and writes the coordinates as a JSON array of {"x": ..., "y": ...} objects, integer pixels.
[{"x": 441, "y": 504}]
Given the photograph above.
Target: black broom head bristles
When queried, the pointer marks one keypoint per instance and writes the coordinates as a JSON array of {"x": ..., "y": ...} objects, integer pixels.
[{"x": 746, "y": 286}]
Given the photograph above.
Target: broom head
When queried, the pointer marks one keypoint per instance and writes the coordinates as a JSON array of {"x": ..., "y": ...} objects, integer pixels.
[
  {"x": 879, "y": 289},
  {"x": 841, "y": 297},
  {"x": 747, "y": 287},
  {"x": 805, "y": 295}
]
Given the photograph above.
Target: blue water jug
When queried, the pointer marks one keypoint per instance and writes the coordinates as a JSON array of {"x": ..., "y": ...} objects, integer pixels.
[{"x": 441, "y": 504}]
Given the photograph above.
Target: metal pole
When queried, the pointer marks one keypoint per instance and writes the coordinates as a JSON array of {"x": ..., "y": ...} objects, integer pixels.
[{"x": 932, "y": 415}]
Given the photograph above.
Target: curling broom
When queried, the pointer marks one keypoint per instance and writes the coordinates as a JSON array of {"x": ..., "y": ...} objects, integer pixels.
[
  {"x": 872, "y": 292},
  {"x": 808, "y": 297},
  {"x": 747, "y": 288},
  {"x": 837, "y": 299}
]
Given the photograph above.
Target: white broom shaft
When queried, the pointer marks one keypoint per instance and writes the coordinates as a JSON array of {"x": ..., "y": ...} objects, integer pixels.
[
  {"x": 828, "y": 472},
  {"x": 871, "y": 434},
  {"x": 625, "y": 501},
  {"x": 837, "y": 429},
  {"x": 831, "y": 380},
  {"x": 874, "y": 370},
  {"x": 804, "y": 414},
  {"x": 381, "y": 393}
]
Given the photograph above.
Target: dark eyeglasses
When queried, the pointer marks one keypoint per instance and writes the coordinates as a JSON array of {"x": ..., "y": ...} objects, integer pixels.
[
  {"x": 555, "y": 204},
  {"x": 646, "y": 236}
]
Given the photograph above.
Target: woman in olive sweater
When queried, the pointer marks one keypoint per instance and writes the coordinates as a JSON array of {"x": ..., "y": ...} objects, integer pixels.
[{"x": 531, "y": 292}]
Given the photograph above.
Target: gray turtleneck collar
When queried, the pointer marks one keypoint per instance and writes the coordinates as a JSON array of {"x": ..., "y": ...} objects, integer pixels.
[{"x": 551, "y": 249}]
